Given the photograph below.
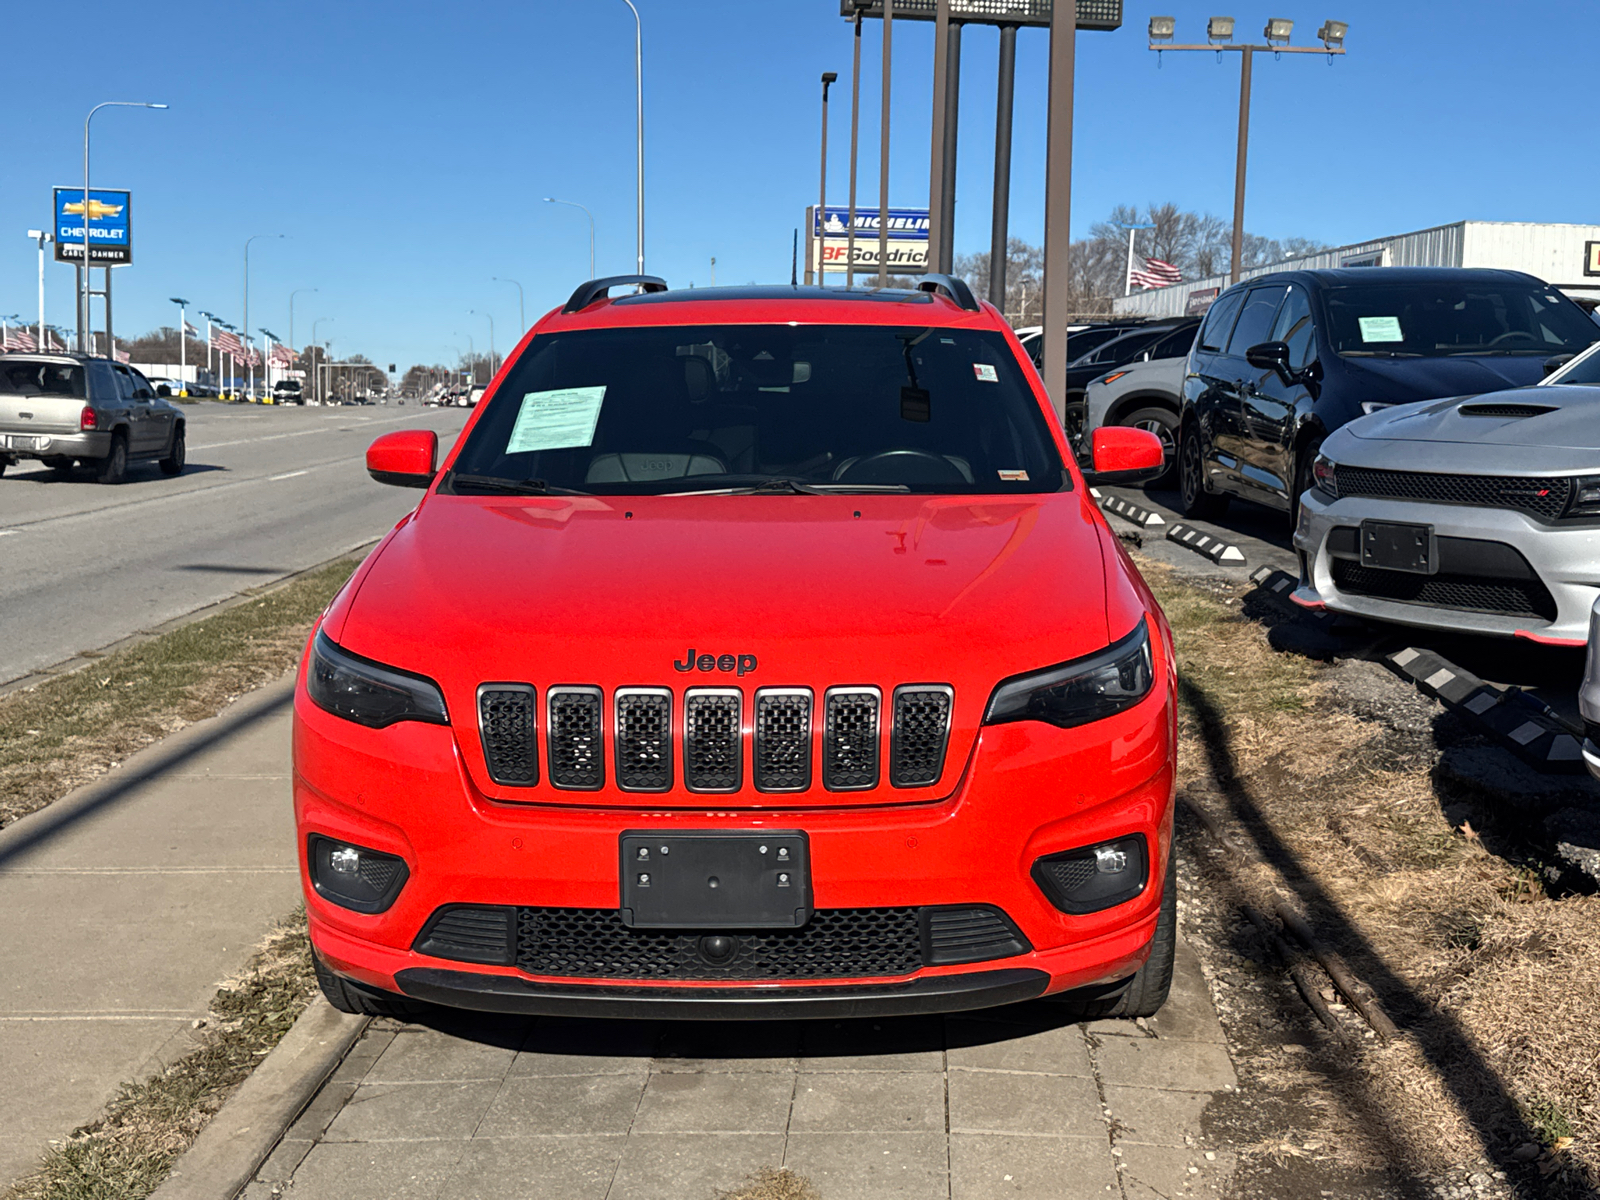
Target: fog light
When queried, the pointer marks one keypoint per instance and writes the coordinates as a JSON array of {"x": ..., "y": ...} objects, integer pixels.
[
  {"x": 1092, "y": 878},
  {"x": 354, "y": 877}
]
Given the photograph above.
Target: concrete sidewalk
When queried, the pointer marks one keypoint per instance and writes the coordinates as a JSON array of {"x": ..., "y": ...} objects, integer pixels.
[
  {"x": 1004, "y": 1103},
  {"x": 125, "y": 903}
]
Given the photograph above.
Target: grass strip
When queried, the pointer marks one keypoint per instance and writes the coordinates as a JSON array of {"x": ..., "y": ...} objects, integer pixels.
[
  {"x": 69, "y": 730},
  {"x": 128, "y": 1151}
]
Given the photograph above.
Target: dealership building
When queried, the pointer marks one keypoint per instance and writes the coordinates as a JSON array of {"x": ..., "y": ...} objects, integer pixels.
[{"x": 1567, "y": 256}]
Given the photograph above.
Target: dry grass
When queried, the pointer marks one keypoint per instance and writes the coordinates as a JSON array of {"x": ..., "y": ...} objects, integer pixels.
[
  {"x": 1496, "y": 983},
  {"x": 770, "y": 1184},
  {"x": 127, "y": 1152},
  {"x": 69, "y": 730}
]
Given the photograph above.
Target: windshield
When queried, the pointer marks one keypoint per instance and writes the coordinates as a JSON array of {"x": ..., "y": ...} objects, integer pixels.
[
  {"x": 25, "y": 378},
  {"x": 651, "y": 411},
  {"x": 1433, "y": 320}
]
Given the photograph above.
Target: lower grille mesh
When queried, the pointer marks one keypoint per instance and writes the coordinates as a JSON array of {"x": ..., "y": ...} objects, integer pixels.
[
  {"x": 576, "y": 758},
  {"x": 850, "y": 739},
  {"x": 1470, "y": 593},
  {"x": 508, "y": 725},
  {"x": 917, "y": 741}
]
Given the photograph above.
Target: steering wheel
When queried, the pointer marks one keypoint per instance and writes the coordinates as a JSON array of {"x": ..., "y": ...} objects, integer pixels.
[
  {"x": 907, "y": 466},
  {"x": 1513, "y": 335}
]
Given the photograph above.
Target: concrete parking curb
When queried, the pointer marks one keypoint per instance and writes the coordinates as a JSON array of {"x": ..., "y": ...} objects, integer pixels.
[
  {"x": 1201, "y": 542},
  {"x": 238, "y": 1139}
]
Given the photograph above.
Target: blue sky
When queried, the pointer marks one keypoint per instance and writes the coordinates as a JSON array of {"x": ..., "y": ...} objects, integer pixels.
[{"x": 405, "y": 147}]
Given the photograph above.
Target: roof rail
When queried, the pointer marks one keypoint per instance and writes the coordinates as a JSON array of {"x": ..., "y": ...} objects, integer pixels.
[
  {"x": 956, "y": 289},
  {"x": 597, "y": 289}
]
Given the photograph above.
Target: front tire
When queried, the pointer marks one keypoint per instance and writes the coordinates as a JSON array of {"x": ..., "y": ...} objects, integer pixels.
[
  {"x": 358, "y": 1001},
  {"x": 113, "y": 468},
  {"x": 1193, "y": 497},
  {"x": 172, "y": 464},
  {"x": 1147, "y": 990}
]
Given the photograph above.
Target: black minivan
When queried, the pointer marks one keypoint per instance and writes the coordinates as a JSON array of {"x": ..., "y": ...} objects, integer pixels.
[{"x": 1284, "y": 359}]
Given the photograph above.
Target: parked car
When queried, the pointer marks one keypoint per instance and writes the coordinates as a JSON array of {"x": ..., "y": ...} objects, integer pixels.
[
  {"x": 1159, "y": 339},
  {"x": 165, "y": 387},
  {"x": 288, "y": 391},
  {"x": 1080, "y": 338},
  {"x": 1479, "y": 514},
  {"x": 1142, "y": 395},
  {"x": 67, "y": 409},
  {"x": 783, "y": 775},
  {"x": 1589, "y": 697},
  {"x": 1285, "y": 359}
]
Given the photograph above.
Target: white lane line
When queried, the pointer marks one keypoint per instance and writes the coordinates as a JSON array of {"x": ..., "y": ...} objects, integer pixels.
[
  {"x": 8, "y": 532},
  {"x": 286, "y": 475}
]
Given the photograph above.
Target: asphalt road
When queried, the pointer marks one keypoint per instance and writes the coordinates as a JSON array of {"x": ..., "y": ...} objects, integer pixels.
[{"x": 267, "y": 492}]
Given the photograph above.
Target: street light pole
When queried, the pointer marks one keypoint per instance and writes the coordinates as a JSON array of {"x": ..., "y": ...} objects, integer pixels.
[
  {"x": 590, "y": 215},
  {"x": 828, "y": 77},
  {"x": 183, "y": 345},
  {"x": 522, "y": 320},
  {"x": 249, "y": 357},
  {"x": 83, "y": 290},
  {"x": 638, "y": 83},
  {"x": 1219, "y": 32}
]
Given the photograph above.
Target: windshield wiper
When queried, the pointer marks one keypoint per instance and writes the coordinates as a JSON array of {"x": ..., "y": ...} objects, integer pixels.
[
  {"x": 518, "y": 487},
  {"x": 1380, "y": 354},
  {"x": 781, "y": 485}
]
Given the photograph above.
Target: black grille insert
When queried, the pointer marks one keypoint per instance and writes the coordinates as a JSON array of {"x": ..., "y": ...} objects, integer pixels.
[
  {"x": 643, "y": 737},
  {"x": 782, "y": 758},
  {"x": 850, "y": 750},
  {"x": 919, "y": 734},
  {"x": 1469, "y": 593},
  {"x": 713, "y": 740},
  {"x": 576, "y": 754},
  {"x": 972, "y": 934},
  {"x": 1544, "y": 498},
  {"x": 469, "y": 933},
  {"x": 508, "y": 725}
]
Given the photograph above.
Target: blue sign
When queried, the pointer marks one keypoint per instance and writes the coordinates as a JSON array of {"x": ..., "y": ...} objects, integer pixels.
[
  {"x": 905, "y": 224},
  {"x": 110, "y": 219}
]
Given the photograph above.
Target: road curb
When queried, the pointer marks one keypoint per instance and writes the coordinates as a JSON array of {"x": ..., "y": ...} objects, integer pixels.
[{"x": 234, "y": 1144}]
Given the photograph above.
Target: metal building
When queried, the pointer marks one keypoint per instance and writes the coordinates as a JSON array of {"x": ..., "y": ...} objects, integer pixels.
[{"x": 1567, "y": 256}]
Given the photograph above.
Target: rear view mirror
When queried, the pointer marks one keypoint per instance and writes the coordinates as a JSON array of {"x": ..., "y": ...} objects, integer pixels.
[
  {"x": 1123, "y": 455},
  {"x": 404, "y": 458}
]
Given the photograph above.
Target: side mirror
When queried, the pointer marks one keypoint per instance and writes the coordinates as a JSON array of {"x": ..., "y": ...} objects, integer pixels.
[
  {"x": 1123, "y": 455},
  {"x": 1270, "y": 356},
  {"x": 404, "y": 458},
  {"x": 1556, "y": 361}
]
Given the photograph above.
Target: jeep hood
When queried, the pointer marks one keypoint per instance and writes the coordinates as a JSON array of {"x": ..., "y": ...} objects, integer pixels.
[{"x": 821, "y": 591}]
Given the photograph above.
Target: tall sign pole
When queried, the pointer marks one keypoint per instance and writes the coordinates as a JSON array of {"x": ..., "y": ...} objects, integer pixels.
[
  {"x": 1058, "y": 201},
  {"x": 999, "y": 232},
  {"x": 883, "y": 151},
  {"x": 855, "y": 138},
  {"x": 941, "y": 114}
]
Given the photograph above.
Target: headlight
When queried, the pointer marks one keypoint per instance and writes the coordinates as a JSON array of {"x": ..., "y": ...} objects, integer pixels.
[
  {"x": 369, "y": 694},
  {"x": 1585, "y": 497},
  {"x": 1368, "y": 407},
  {"x": 1326, "y": 473},
  {"x": 1083, "y": 690}
]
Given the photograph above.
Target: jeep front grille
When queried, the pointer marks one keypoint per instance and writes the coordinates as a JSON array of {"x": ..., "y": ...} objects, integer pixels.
[
  {"x": 918, "y": 734},
  {"x": 577, "y": 760},
  {"x": 644, "y": 739},
  {"x": 781, "y": 761},
  {"x": 713, "y": 742},
  {"x": 509, "y": 726},
  {"x": 850, "y": 738}
]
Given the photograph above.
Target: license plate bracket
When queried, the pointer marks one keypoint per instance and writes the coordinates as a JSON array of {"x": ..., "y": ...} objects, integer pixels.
[
  {"x": 715, "y": 880},
  {"x": 1397, "y": 546}
]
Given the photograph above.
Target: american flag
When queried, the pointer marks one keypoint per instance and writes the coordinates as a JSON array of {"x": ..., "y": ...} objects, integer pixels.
[
  {"x": 282, "y": 355},
  {"x": 1154, "y": 274},
  {"x": 123, "y": 356},
  {"x": 19, "y": 339},
  {"x": 227, "y": 343}
]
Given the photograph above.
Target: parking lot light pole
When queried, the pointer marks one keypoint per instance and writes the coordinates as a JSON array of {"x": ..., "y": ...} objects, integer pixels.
[
  {"x": 85, "y": 285},
  {"x": 638, "y": 86},
  {"x": 522, "y": 320},
  {"x": 590, "y": 215},
  {"x": 828, "y": 77},
  {"x": 43, "y": 238},
  {"x": 1219, "y": 37},
  {"x": 183, "y": 345},
  {"x": 855, "y": 139}
]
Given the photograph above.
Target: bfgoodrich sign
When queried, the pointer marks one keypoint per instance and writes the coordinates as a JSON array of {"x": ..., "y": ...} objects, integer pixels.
[{"x": 110, "y": 219}]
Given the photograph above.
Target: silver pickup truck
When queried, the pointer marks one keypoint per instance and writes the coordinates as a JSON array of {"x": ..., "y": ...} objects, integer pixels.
[{"x": 70, "y": 409}]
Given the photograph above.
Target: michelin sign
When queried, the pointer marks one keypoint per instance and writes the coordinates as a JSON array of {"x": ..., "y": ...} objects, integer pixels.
[
  {"x": 908, "y": 239},
  {"x": 110, "y": 218}
]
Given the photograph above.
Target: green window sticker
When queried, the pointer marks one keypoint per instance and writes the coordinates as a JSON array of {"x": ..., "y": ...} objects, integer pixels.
[
  {"x": 1380, "y": 329},
  {"x": 563, "y": 419}
]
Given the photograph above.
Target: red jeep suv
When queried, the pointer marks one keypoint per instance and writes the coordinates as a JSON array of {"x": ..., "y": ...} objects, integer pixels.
[{"x": 756, "y": 653}]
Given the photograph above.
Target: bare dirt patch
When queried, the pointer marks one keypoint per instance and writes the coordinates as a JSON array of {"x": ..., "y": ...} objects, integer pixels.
[
  {"x": 69, "y": 730},
  {"x": 1487, "y": 956}
]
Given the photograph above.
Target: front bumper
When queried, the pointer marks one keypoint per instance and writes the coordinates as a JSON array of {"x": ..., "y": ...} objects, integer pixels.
[
  {"x": 1028, "y": 790},
  {"x": 1565, "y": 561},
  {"x": 56, "y": 445}
]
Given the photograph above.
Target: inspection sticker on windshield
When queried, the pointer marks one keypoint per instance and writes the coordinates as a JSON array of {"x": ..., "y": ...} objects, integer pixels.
[
  {"x": 1014, "y": 476},
  {"x": 985, "y": 373},
  {"x": 1380, "y": 329},
  {"x": 556, "y": 420}
]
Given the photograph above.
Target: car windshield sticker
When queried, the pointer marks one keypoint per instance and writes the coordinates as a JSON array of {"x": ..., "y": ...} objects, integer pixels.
[
  {"x": 562, "y": 419},
  {"x": 1380, "y": 329},
  {"x": 985, "y": 373},
  {"x": 1014, "y": 476}
]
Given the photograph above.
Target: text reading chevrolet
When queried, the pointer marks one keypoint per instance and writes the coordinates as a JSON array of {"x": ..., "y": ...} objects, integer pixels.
[{"x": 757, "y": 653}]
